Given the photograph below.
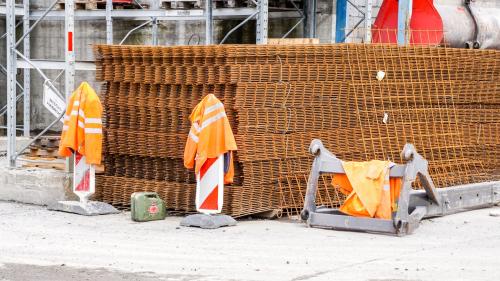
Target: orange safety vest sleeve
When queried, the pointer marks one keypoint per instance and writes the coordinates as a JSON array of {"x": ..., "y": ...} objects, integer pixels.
[
  {"x": 68, "y": 143},
  {"x": 92, "y": 144}
]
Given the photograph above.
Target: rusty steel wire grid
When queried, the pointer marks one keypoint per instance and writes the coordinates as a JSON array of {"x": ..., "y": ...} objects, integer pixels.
[{"x": 278, "y": 98}]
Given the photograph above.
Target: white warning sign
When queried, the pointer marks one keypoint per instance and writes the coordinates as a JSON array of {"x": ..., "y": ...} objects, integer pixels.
[{"x": 53, "y": 102}]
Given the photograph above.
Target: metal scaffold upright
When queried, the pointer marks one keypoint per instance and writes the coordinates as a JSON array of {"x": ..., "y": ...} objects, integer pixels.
[{"x": 342, "y": 29}]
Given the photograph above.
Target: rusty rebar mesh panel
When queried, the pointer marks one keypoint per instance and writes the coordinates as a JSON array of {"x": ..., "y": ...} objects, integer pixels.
[
  {"x": 292, "y": 191},
  {"x": 280, "y": 97}
]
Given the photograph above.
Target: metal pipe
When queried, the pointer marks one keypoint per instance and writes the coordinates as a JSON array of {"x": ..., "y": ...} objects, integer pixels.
[
  {"x": 298, "y": 22},
  {"x": 5, "y": 34},
  {"x": 4, "y": 108},
  {"x": 238, "y": 26},
  {"x": 138, "y": 4},
  {"x": 4, "y": 71},
  {"x": 293, "y": 27},
  {"x": 134, "y": 29},
  {"x": 474, "y": 44},
  {"x": 36, "y": 23},
  {"x": 17, "y": 129},
  {"x": 354, "y": 28},
  {"x": 310, "y": 22},
  {"x": 459, "y": 27}
]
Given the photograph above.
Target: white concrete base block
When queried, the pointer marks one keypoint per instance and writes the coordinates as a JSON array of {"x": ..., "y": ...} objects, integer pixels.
[{"x": 33, "y": 185}]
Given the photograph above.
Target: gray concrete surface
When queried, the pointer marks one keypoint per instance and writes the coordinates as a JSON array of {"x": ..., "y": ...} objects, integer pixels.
[
  {"x": 37, "y": 244},
  {"x": 33, "y": 185}
]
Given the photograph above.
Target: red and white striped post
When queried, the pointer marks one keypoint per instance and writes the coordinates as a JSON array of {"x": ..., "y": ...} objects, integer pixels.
[
  {"x": 210, "y": 186},
  {"x": 83, "y": 178}
]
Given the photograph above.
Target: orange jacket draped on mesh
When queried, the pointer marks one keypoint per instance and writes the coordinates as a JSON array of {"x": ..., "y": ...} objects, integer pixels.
[{"x": 210, "y": 136}]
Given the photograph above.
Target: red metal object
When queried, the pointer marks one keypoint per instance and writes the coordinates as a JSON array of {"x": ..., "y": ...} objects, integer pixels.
[
  {"x": 70, "y": 41},
  {"x": 426, "y": 25}
]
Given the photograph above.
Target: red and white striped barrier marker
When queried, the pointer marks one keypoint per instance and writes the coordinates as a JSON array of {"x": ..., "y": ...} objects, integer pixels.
[
  {"x": 83, "y": 178},
  {"x": 210, "y": 186}
]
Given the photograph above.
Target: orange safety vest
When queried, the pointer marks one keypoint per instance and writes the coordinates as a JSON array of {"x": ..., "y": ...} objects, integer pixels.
[
  {"x": 210, "y": 136},
  {"x": 82, "y": 130}
]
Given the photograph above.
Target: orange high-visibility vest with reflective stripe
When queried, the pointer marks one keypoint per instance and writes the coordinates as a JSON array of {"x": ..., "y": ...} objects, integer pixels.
[
  {"x": 82, "y": 130},
  {"x": 210, "y": 135}
]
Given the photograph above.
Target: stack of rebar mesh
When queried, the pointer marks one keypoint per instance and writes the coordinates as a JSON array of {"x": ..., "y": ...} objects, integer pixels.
[{"x": 278, "y": 98}]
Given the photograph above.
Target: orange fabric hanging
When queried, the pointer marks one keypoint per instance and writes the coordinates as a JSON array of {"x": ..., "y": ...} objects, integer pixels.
[
  {"x": 210, "y": 136},
  {"x": 371, "y": 193},
  {"x": 82, "y": 130}
]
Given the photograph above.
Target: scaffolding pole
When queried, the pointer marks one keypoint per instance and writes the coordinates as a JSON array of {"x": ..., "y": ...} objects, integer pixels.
[
  {"x": 109, "y": 22},
  {"x": 368, "y": 21},
  {"x": 262, "y": 22},
  {"x": 341, "y": 21},
  {"x": 154, "y": 21},
  {"x": 69, "y": 23},
  {"x": 69, "y": 85},
  {"x": 310, "y": 23},
  {"x": 404, "y": 16},
  {"x": 11, "y": 81},
  {"x": 26, "y": 72},
  {"x": 209, "y": 25}
]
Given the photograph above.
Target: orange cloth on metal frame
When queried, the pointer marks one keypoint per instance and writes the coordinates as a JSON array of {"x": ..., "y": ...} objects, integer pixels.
[
  {"x": 210, "y": 136},
  {"x": 372, "y": 196}
]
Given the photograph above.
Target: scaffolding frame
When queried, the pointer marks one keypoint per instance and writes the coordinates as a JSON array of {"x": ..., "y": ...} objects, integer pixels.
[{"x": 21, "y": 60}]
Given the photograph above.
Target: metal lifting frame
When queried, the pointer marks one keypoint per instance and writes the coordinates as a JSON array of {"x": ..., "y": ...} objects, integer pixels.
[
  {"x": 412, "y": 205},
  {"x": 16, "y": 59}
]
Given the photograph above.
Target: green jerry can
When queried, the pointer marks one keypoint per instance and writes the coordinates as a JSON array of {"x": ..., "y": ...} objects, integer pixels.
[{"x": 147, "y": 206}]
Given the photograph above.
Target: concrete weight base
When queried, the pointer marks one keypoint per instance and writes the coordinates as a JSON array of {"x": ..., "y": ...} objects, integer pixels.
[
  {"x": 208, "y": 221},
  {"x": 91, "y": 208}
]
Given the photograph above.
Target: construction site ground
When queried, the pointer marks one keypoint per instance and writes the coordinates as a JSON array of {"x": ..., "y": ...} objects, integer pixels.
[{"x": 37, "y": 244}]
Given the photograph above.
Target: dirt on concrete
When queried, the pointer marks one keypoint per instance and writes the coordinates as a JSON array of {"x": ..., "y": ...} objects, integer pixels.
[{"x": 35, "y": 242}]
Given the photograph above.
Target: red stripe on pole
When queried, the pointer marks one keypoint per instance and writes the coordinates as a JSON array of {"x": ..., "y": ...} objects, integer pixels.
[
  {"x": 212, "y": 200},
  {"x": 204, "y": 168},
  {"x": 84, "y": 185},
  {"x": 70, "y": 41},
  {"x": 78, "y": 157}
]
